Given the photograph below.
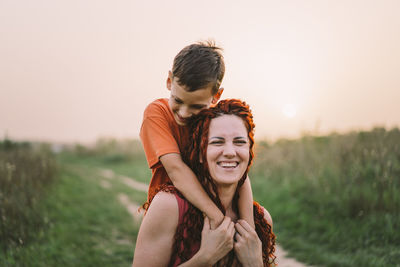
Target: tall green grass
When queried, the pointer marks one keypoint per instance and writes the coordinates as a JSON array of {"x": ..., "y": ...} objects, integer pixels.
[
  {"x": 335, "y": 199},
  {"x": 25, "y": 172},
  {"x": 75, "y": 220}
]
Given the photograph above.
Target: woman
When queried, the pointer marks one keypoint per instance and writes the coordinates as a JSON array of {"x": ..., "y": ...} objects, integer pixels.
[{"x": 174, "y": 232}]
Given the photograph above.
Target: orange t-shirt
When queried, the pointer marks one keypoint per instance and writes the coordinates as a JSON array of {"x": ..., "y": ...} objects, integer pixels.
[{"x": 160, "y": 135}]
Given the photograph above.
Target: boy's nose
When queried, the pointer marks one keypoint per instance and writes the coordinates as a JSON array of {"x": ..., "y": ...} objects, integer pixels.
[{"x": 184, "y": 112}]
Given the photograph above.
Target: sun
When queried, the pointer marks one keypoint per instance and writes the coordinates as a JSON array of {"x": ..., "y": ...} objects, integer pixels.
[{"x": 289, "y": 110}]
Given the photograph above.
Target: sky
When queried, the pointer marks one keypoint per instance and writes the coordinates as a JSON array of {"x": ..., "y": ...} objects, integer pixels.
[{"x": 74, "y": 71}]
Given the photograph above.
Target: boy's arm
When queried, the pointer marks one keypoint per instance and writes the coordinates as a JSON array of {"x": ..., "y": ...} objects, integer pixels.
[
  {"x": 246, "y": 202},
  {"x": 185, "y": 180}
]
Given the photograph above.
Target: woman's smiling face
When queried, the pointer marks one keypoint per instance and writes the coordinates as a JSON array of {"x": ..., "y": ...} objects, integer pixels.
[{"x": 228, "y": 149}]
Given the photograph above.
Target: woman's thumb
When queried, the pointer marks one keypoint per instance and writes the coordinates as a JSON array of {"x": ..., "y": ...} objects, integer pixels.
[{"x": 206, "y": 224}]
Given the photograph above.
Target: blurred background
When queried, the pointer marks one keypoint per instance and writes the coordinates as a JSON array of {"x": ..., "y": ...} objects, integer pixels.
[{"x": 322, "y": 78}]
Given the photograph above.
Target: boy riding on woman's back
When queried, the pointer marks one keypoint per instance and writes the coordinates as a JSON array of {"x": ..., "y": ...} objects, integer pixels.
[{"x": 194, "y": 84}]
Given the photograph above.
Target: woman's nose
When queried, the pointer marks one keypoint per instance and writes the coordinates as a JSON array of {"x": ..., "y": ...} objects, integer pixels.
[{"x": 229, "y": 151}]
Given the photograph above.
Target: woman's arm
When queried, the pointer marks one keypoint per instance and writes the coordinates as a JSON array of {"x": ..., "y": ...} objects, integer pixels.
[{"x": 156, "y": 233}]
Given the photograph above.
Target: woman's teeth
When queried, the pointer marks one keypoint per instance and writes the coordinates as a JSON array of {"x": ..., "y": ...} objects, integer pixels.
[{"x": 228, "y": 164}]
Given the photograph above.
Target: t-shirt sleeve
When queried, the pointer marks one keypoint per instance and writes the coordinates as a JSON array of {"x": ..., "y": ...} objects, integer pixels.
[{"x": 156, "y": 134}]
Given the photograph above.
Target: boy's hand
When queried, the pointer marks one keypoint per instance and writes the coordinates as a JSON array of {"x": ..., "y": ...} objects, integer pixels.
[{"x": 215, "y": 222}]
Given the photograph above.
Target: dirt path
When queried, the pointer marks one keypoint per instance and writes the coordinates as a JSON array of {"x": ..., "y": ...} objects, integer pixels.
[
  {"x": 131, "y": 207},
  {"x": 128, "y": 181},
  {"x": 134, "y": 184},
  {"x": 281, "y": 259}
]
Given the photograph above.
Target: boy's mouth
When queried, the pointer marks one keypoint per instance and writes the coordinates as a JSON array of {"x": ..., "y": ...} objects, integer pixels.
[{"x": 181, "y": 119}]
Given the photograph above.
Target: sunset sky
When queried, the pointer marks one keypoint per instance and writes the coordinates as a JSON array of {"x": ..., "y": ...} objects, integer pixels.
[{"x": 79, "y": 70}]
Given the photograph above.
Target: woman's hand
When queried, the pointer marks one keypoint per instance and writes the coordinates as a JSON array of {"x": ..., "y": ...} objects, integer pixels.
[
  {"x": 216, "y": 243},
  {"x": 248, "y": 246}
]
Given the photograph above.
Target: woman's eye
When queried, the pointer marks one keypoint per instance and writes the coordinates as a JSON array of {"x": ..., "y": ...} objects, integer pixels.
[
  {"x": 216, "y": 143},
  {"x": 241, "y": 142}
]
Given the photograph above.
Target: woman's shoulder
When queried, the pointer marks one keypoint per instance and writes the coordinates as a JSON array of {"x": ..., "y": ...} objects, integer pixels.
[
  {"x": 264, "y": 212},
  {"x": 163, "y": 210},
  {"x": 268, "y": 217},
  {"x": 166, "y": 201},
  {"x": 156, "y": 233}
]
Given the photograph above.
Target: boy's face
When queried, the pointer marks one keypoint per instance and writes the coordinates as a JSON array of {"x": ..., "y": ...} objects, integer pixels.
[{"x": 184, "y": 104}]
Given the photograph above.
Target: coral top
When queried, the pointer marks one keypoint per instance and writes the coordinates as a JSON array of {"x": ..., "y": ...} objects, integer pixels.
[
  {"x": 183, "y": 207},
  {"x": 160, "y": 135}
]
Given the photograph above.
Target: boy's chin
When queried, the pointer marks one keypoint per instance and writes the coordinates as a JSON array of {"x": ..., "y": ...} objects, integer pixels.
[{"x": 181, "y": 122}]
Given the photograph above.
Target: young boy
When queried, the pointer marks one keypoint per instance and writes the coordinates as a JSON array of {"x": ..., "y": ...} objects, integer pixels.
[{"x": 194, "y": 83}]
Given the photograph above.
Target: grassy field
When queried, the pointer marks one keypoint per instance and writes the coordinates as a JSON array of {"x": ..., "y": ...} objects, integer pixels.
[
  {"x": 335, "y": 201},
  {"x": 84, "y": 224}
]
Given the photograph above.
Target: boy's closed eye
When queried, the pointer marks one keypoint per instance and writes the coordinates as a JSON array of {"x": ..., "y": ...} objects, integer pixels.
[
  {"x": 178, "y": 101},
  {"x": 198, "y": 107}
]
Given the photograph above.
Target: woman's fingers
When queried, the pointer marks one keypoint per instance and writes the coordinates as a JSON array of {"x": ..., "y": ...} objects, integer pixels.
[
  {"x": 240, "y": 229},
  {"x": 231, "y": 229},
  {"x": 248, "y": 247},
  {"x": 238, "y": 237},
  {"x": 216, "y": 243},
  {"x": 206, "y": 224},
  {"x": 225, "y": 223},
  {"x": 246, "y": 225},
  {"x": 245, "y": 230}
]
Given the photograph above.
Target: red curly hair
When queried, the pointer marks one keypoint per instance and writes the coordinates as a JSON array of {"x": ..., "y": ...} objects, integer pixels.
[{"x": 194, "y": 156}]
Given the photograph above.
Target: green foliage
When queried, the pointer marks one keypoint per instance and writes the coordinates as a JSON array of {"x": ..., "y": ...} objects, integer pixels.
[
  {"x": 359, "y": 173},
  {"x": 87, "y": 226},
  {"x": 25, "y": 172},
  {"x": 336, "y": 195}
]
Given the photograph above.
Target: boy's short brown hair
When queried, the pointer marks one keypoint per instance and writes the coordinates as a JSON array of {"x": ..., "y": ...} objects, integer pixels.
[{"x": 199, "y": 65}]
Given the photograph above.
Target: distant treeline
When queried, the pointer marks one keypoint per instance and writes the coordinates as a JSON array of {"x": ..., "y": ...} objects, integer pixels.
[{"x": 111, "y": 150}]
